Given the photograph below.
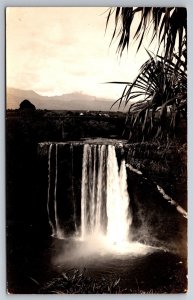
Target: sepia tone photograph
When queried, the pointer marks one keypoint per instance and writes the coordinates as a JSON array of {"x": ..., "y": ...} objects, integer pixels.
[{"x": 96, "y": 150}]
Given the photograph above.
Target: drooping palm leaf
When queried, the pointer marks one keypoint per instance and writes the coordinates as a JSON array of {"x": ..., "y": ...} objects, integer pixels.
[
  {"x": 169, "y": 24},
  {"x": 160, "y": 84}
]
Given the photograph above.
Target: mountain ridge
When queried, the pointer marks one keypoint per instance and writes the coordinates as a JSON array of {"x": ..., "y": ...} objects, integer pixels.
[{"x": 70, "y": 101}]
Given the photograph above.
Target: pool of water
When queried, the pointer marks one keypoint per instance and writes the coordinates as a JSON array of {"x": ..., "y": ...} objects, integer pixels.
[{"x": 34, "y": 261}]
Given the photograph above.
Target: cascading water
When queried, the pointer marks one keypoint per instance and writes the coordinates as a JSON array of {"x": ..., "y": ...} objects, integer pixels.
[
  {"x": 72, "y": 183},
  {"x": 49, "y": 184},
  {"x": 118, "y": 215},
  {"x": 52, "y": 197},
  {"x": 93, "y": 207},
  {"x": 104, "y": 195},
  {"x": 104, "y": 199},
  {"x": 93, "y": 189}
]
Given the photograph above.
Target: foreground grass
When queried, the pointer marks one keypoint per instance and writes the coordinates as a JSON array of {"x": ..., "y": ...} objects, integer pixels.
[{"x": 76, "y": 282}]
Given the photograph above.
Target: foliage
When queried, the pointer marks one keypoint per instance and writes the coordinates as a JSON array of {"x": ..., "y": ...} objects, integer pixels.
[
  {"x": 77, "y": 282},
  {"x": 163, "y": 163},
  {"x": 161, "y": 86},
  {"x": 27, "y": 105},
  {"x": 169, "y": 24},
  {"x": 160, "y": 89}
]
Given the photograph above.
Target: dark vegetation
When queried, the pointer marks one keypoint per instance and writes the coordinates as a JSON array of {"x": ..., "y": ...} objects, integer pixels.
[
  {"x": 78, "y": 282},
  {"x": 63, "y": 125},
  {"x": 164, "y": 164},
  {"x": 27, "y": 105}
]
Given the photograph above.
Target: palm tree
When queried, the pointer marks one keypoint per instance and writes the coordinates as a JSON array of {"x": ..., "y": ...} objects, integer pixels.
[
  {"x": 160, "y": 87},
  {"x": 168, "y": 24}
]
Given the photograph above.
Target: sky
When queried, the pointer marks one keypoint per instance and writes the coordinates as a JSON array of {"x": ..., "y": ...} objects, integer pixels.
[{"x": 59, "y": 50}]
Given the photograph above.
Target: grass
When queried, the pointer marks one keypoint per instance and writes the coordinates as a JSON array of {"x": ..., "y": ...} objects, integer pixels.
[
  {"x": 78, "y": 282},
  {"x": 75, "y": 281}
]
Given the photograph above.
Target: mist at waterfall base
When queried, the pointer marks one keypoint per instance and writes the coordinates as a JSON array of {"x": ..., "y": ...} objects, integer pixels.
[{"x": 104, "y": 231}]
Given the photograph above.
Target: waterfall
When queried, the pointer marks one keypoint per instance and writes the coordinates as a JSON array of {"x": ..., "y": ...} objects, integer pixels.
[
  {"x": 117, "y": 199},
  {"x": 93, "y": 189},
  {"x": 52, "y": 197},
  {"x": 49, "y": 187},
  {"x": 100, "y": 188},
  {"x": 72, "y": 183},
  {"x": 93, "y": 196},
  {"x": 88, "y": 199},
  {"x": 104, "y": 198},
  {"x": 55, "y": 192}
]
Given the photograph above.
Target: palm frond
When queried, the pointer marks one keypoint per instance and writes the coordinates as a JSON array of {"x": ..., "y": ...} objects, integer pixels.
[
  {"x": 161, "y": 83},
  {"x": 169, "y": 24},
  {"x": 160, "y": 89}
]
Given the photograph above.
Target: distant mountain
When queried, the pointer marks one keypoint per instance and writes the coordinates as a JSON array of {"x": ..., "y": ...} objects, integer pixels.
[{"x": 72, "y": 101}]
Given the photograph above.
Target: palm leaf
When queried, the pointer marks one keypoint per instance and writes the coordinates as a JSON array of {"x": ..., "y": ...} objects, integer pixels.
[
  {"x": 160, "y": 83},
  {"x": 168, "y": 24}
]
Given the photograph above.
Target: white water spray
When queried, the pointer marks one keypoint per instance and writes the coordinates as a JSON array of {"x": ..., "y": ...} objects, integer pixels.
[
  {"x": 93, "y": 189},
  {"x": 117, "y": 200},
  {"x": 100, "y": 189},
  {"x": 104, "y": 198}
]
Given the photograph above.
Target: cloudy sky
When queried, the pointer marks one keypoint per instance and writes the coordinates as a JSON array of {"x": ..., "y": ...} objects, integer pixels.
[{"x": 64, "y": 50}]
